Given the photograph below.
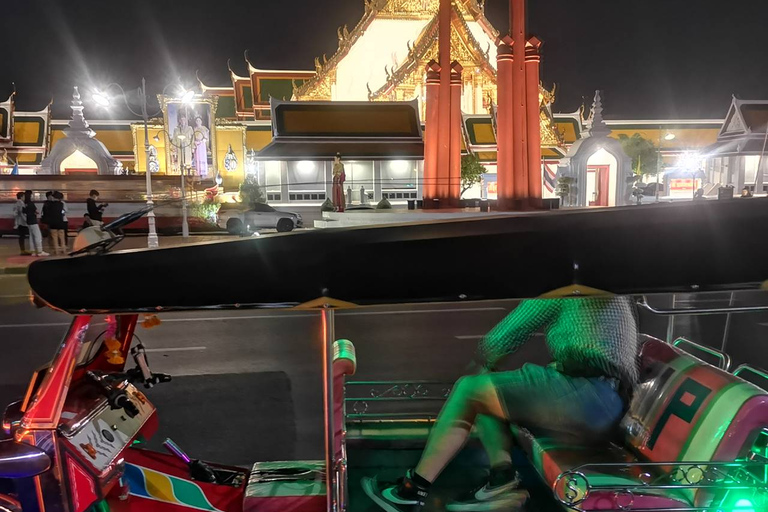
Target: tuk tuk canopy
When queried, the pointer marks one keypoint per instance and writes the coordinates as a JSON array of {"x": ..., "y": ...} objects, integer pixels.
[{"x": 678, "y": 247}]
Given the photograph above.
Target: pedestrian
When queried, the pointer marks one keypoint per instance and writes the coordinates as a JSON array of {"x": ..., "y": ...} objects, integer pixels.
[
  {"x": 56, "y": 226},
  {"x": 95, "y": 210},
  {"x": 60, "y": 197},
  {"x": 35, "y": 236},
  {"x": 20, "y": 224},
  {"x": 45, "y": 221}
]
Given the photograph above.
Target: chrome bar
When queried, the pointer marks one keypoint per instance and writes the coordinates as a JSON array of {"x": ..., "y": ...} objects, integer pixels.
[
  {"x": 328, "y": 321},
  {"x": 722, "y": 356},
  {"x": 643, "y": 303},
  {"x": 751, "y": 369},
  {"x": 727, "y": 328}
]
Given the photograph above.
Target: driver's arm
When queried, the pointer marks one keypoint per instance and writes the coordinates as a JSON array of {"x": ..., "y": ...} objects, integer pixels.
[{"x": 512, "y": 332}]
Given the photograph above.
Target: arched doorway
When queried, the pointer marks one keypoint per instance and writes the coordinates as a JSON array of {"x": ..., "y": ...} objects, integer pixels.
[
  {"x": 602, "y": 168},
  {"x": 77, "y": 163}
]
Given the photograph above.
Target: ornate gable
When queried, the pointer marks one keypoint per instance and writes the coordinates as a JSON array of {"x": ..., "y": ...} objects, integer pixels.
[{"x": 422, "y": 12}]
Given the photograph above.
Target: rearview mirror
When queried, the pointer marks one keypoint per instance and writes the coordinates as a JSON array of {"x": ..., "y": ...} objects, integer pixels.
[{"x": 19, "y": 460}]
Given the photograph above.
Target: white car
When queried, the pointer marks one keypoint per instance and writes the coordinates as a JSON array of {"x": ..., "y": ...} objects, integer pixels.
[{"x": 262, "y": 216}]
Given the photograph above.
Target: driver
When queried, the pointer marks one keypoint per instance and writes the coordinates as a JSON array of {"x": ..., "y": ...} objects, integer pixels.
[{"x": 583, "y": 392}]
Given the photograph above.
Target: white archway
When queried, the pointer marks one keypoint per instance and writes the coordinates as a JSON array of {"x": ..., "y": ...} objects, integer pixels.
[
  {"x": 78, "y": 162},
  {"x": 601, "y": 179}
]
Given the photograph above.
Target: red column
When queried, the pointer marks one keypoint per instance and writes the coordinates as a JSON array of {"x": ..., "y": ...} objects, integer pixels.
[
  {"x": 444, "y": 101},
  {"x": 430, "y": 135},
  {"x": 504, "y": 130},
  {"x": 519, "y": 156},
  {"x": 454, "y": 195},
  {"x": 532, "y": 63}
]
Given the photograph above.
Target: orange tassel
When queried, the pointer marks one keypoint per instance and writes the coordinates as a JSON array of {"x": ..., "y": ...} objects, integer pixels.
[{"x": 112, "y": 353}]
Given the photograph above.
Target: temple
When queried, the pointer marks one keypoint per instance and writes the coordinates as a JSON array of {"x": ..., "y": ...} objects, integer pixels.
[{"x": 390, "y": 58}]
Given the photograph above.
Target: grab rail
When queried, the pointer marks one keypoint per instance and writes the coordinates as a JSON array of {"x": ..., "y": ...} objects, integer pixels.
[
  {"x": 643, "y": 303},
  {"x": 724, "y": 358},
  {"x": 751, "y": 369}
]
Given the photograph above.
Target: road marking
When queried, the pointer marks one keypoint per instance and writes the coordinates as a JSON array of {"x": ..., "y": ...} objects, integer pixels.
[
  {"x": 285, "y": 316},
  {"x": 174, "y": 349},
  {"x": 315, "y": 315},
  {"x": 20, "y": 326},
  {"x": 417, "y": 311}
]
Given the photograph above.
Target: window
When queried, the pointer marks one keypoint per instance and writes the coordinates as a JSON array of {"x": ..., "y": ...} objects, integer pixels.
[
  {"x": 359, "y": 174},
  {"x": 750, "y": 169},
  {"x": 398, "y": 174},
  {"x": 271, "y": 176},
  {"x": 306, "y": 175}
]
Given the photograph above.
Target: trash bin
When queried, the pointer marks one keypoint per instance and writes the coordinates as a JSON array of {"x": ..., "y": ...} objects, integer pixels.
[
  {"x": 411, "y": 204},
  {"x": 725, "y": 193},
  {"x": 436, "y": 203},
  {"x": 420, "y": 204},
  {"x": 483, "y": 205}
]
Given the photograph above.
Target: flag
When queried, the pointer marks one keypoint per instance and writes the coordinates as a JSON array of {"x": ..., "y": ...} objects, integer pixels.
[
  {"x": 15, "y": 171},
  {"x": 550, "y": 178}
]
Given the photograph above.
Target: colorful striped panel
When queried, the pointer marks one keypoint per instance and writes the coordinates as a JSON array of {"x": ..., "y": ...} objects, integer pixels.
[{"x": 154, "y": 485}]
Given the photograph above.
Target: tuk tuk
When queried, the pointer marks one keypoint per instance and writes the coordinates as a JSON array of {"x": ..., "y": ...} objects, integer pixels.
[{"x": 694, "y": 437}]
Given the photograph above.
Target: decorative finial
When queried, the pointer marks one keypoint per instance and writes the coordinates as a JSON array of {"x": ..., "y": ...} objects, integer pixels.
[
  {"x": 598, "y": 124},
  {"x": 78, "y": 126}
]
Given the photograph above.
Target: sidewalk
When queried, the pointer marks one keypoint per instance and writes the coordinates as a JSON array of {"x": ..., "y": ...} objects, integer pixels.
[{"x": 12, "y": 263}]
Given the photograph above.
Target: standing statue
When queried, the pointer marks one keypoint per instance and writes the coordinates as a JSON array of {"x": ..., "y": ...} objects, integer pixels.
[
  {"x": 202, "y": 140},
  {"x": 339, "y": 177}
]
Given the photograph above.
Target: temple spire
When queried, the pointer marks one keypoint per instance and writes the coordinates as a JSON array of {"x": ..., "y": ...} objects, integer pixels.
[
  {"x": 78, "y": 126},
  {"x": 598, "y": 124}
]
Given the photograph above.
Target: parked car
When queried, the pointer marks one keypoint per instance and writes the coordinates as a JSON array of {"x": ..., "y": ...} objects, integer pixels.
[{"x": 262, "y": 216}]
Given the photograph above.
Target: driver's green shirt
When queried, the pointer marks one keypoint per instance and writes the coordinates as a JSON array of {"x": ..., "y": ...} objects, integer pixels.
[{"x": 590, "y": 336}]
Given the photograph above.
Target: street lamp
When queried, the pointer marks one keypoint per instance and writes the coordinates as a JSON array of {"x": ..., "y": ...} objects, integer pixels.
[
  {"x": 181, "y": 146},
  {"x": 668, "y": 136},
  {"x": 102, "y": 99}
]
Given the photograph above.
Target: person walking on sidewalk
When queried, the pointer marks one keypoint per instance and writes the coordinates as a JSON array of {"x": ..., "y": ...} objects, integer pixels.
[
  {"x": 57, "y": 226},
  {"x": 60, "y": 197},
  {"x": 95, "y": 210},
  {"x": 20, "y": 223},
  {"x": 45, "y": 222},
  {"x": 35, "y": 236}
]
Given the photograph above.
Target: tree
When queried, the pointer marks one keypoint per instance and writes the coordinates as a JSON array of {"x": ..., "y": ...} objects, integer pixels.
[
  {"x": 251, "y": 193},
  {"x": 471, "y": 172},
  {"x": 644, "y": 155}
]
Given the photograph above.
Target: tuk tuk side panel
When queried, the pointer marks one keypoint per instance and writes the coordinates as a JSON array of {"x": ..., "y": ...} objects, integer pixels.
[
  {"x": 159, "y": 482},
  {"x": 45, "y": 408}
]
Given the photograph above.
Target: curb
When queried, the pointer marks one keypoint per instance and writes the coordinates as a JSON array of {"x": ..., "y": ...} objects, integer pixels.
[{"x": 13, "y": 270}]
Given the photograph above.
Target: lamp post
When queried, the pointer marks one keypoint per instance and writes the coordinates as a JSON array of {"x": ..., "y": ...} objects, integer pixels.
[
  {"x": 102, "y": 99},
  {"x": 660, "y": 162},
  {"x": 181, "y": 147}
]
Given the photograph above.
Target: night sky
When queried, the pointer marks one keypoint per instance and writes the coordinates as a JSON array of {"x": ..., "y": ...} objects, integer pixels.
[{"x": 653, "y": 58}]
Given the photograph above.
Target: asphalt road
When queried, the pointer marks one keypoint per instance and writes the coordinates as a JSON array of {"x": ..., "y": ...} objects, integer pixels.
[{"x": 248, "y": 386}]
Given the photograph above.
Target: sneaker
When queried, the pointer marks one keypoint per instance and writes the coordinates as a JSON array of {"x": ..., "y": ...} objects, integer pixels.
[
  {"x": 402, "y": 496},
  {"x": 43, "y": 253},
  {"x": 485, "y": 498}
]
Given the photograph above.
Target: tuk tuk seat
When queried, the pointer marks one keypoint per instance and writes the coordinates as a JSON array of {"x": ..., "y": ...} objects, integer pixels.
[
  {"x": 682, "y": 410},
  {"x": 300, "y": 485}
]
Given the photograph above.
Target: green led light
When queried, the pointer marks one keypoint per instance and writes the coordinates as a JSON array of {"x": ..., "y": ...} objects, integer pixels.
[{"x": 744, "y": 505}]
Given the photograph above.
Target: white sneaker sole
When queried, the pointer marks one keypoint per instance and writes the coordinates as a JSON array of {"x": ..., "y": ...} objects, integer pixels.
[{"x": 370, "y": 487}]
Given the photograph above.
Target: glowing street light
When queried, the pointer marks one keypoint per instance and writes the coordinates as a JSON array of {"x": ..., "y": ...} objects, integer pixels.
[
  {"x": 102, "y": 99},
  {"x": 187, "y": 96},
  {"x": 670, "y": 136}
]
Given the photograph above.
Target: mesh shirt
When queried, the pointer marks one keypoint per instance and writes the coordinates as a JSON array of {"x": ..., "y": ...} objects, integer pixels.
[{"x": 589, "y": 337}]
